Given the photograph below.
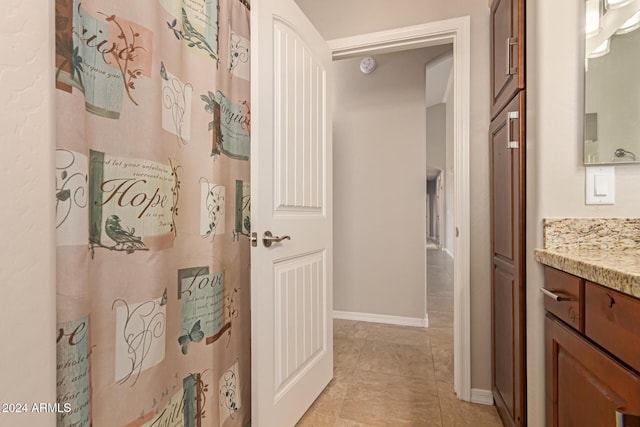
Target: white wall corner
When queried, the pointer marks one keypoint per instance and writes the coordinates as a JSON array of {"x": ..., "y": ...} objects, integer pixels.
[
  {"x": 449, "y": 88},
  {"x": 28, "y": 221},
  {"x": 438, "y": 77},
  {"x": 382, "y": 318},
  {"x": 482, "y": 397}
]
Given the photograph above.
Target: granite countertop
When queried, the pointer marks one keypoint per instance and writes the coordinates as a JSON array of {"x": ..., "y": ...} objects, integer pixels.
[
  {"x": 602, "y": 250},
  {"x": 615, "y": 269}
]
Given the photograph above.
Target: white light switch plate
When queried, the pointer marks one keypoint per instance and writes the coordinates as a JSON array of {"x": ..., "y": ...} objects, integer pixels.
[{"x": 600, "y": 185}]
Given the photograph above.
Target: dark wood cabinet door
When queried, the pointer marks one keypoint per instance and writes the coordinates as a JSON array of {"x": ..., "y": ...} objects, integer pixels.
[
  {"x": 585, "y": 386},
  {"x": 507, "y": 52},
  {"x": 506, "y": 138}
]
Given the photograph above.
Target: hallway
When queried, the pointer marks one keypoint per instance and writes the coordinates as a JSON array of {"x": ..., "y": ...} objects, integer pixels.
[{"x": 387, "y": 375}]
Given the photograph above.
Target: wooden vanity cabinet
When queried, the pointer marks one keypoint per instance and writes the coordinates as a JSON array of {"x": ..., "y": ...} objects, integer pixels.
[
  {"x": 585, "y": 386},
  {"x": 590, "y": 381}
]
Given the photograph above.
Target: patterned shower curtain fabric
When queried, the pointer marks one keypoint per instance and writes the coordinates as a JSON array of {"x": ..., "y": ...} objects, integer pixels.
[{"x": 152, "y": 212}]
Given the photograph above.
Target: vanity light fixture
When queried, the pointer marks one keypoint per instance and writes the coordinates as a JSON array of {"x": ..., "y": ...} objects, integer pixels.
[
  {"x": 630, "y": 24},
  {"x": 593, "y": 14},
  {"x": 612, "y": 4},
  {"x": 601, "y": 50}
]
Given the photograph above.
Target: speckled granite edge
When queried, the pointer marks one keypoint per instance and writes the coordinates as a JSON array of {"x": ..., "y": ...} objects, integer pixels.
[
  {"x": 619, "y": 270},
  {"x": 592, "y": 233}
]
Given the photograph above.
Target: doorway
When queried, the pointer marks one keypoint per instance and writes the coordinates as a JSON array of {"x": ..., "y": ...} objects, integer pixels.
[{"x": 456, "y": 32}]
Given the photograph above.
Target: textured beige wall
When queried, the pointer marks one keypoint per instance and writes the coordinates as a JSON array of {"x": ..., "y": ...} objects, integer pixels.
[
  {"x": 437, "y": 136},
  {"x": 341, "y": 18},
  {"x": 379, "y": 185},
  {"x": 436, "y": 159},
  {"x": 27, "y": 274},
  {"x": 556, "y": 176}
]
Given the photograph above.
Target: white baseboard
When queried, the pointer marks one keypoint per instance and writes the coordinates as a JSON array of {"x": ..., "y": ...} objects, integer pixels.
[
  {"x": 382, "y": 318},
  {"x": 483, "y": 397}
]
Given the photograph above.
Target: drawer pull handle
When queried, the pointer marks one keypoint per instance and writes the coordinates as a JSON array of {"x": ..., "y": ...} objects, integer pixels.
[
  {"x": 611, "y": 300},
  {"x": 555, "y": 296},
  {"x": 511, "y": 41},
  {"x": 626, "y": 420}
]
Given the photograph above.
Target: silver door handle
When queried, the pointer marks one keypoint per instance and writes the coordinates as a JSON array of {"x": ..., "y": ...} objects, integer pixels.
[
  {"x": 268, "y": 239},
  {"x": 511, "y": 115},
  {"x": 511, "y": 41},
  {"x": 555, "y": 296}
]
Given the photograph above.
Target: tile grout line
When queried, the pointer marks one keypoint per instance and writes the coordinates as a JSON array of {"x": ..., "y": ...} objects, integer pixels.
[
  {"x": 355, "y": 368},
  {"x": 348, "y": 386},
  {"x": 435, "y": 381},
  {"x": 434, "y": 359}
]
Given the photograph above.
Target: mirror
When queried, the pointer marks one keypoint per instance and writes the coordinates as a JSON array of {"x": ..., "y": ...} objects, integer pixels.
[{"x": 612, "y": 82}]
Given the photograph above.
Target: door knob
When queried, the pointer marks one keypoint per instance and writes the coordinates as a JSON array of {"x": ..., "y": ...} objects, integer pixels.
[{"x": 268, "y": 239}]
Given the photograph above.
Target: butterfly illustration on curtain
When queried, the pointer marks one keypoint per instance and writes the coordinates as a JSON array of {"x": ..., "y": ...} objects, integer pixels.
[{"x": 196, "y": 335}]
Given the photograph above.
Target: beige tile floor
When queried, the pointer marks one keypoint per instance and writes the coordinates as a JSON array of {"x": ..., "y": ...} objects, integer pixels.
[{"x": 389, "y": 375}]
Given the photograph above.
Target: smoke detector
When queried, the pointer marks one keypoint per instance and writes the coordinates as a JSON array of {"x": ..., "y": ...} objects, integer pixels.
[{"x": 367, "y": 65}]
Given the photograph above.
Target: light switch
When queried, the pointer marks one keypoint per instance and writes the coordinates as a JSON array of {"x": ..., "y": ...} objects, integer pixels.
[{"x": 600, "y": 185}]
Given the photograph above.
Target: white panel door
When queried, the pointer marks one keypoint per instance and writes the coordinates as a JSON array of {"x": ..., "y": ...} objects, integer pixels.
[{"x": 291, "y": 281}]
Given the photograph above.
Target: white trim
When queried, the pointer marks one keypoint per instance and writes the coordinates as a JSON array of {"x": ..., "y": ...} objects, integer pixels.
[
  {"x": 458, "y": 32},
  {"x": 483, "y": 397},
  {"x": 446, "y": 251},
  {"x": 405, "y": 38},
  {"x": 382, "y": 318}
]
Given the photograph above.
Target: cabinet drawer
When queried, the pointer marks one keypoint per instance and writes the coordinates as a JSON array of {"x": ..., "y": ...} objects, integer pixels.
[
  {"x": 613, "y": 321},
  {"x": 564, "y": 295}
]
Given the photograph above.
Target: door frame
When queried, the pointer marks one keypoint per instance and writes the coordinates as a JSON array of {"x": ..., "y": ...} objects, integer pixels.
[{"x": 458, "y": 32}]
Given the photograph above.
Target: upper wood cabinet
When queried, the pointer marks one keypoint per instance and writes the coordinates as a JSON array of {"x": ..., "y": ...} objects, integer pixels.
[{"x": 507, "y": 52}]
